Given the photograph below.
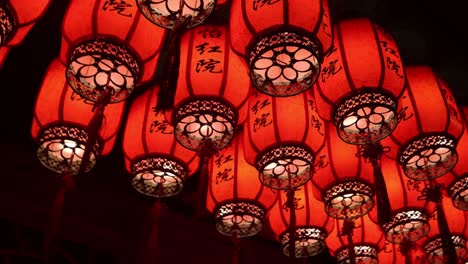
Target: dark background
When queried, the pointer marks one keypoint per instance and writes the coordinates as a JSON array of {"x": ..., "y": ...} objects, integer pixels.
[{"x": 103, "y": 219}]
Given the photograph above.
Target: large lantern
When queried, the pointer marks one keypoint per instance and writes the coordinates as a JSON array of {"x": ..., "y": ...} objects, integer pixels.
[
  {"x": 211, "y": 91},
  {"x": 17, "y": 17},
  {"x": 426, "y": 138},
  {"x": 109, "y": 47},
  {"x": 283, "y": 41},
  {"x": 282, "y": 137},
  {"x": 343, "y": 181},
  {"x": 309, "y": 228},
  {"x": 60, "y": 124},
  {"x": 235, "y": 195},
  {"x": 158, "y": 164},
  {"x": 361, "y": 79}
]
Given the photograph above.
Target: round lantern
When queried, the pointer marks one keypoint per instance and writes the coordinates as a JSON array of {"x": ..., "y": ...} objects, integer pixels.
[
  {"x": 356, "y": 241},
  {"x": 235, "y": 195},
  {"x": 176, "y": 14},
  {"x": 361, "y": 79},
  {"x": 426, "y": 138},
  {"x": 283, "y": 41},
  {"x": 212, "y": 89},
  {"x": 17, "y": 17},
  {"x": 343, "y": 181},
  {"x": 158, "y": 164},
  {"x": 310, "y": 227},
  {"x": 61, "y": 121},
  {"x": 282, "y": 137},
  {"x": 109, "y": 48}
]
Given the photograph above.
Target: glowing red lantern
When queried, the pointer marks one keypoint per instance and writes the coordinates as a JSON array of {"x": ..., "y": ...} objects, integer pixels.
[
  {"x": 235, "y": 195},
  {"x": 356, "y": 241},
  {"x": 426, "y": 138},
  {"x": 310, "y": 227},
  {"x": 61, "y": 120},
  {"x": 361, "y": 79},
  {"x": 343, "y": 180},
  {"x": 283, "y": 135},
  {"x": 156, "y": 161},
  {"x": 17, "y": 17},
  {"x": 211, "y": 90},
  {"x": 283, "y": 42},
  {"x": 109, "y": 47}
]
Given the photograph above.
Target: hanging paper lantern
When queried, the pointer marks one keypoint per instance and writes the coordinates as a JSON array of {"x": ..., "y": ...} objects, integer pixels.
[
  {"x": 343, "y": 181},
  {"x": 211, "y": 90},
  {"x": 283, "y": 42},
  {"x": 176, "y": 14},
  {"x": 158, "y": 164},
  {"x": 109, "y": 47},
  {"x": 425, "y": 140},
  {"x": 361, "y": 79},
  {"x": 310, "y": 228},
  {"x": 61, "y": 120},
  {"x": 283, "y": 135},
  {"x": 359, "y": 239},
  {"x": 235, "y": 195},
  {"x": 17, "y": 17}
]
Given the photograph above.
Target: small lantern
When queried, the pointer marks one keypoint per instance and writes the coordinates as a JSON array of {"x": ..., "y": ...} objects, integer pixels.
[
  {"x": 60, "y": 124},
  {"x": 283, "y": 42},
  {"x": 235, "y": 195},
  {"x": 109, "y": 48},
  {"x": 361, "y": 79},
  {"x": 176, "y": 14},
  {"x": 426, "y": 138},
  {"x": 283, "y": 135},
  {"x": 343, "y": 181},
  {"x": 212, "y": 90},
  {"x": 311, "y": 227},
  {"x": 156, "y": 161}
]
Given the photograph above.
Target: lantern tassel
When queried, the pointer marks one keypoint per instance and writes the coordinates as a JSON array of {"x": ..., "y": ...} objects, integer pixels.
[
  {"x": 292, "y": 218},
  {"x": 450, "y": 254},
  {"x": 202, "y": 186},
  {"x": 348, "y": 230},
  {"x": 236, "y": 245},
  {"x": 406, "y": 248}
]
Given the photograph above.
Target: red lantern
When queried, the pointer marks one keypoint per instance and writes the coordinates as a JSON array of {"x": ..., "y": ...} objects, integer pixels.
[
  {"x": 283, "y": 42},
  {"x": 176, "y": 14},
  {"x": 156, "y": 161},
  {"x": 108, "y": 45},
  {"x": 211, "y": 90},
  {"x": 310, "y": 228},
  {"x": 361, "y": 79},
  {"x": 343, "y": 181},
  {"x": 425, "y": 139},
  {"x": 17, "y": 17},
  {"x": 356, "y": 241},
  {"x": 60, "y": 124},
  {"x": 235, "y": 195},
  {"x": 283, "y": 135}
]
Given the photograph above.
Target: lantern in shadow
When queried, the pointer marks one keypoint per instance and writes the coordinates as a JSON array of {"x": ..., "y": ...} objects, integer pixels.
[
  {"x": 425, "y": 140},
  {"x": 343, "y": 181},
  {"x": 212, "y": 90},
  {"x": 361, "y": 79},
  {"x": 282, "y": 137},
  {"x": 235, "y": 195},
  {"x": 109, "y": 49},
  {"x": 283, "y": 42},
  {"x": 394, "y": 253},
  {"x": 61, "y": 121},
  {"x": 305, "y": 235},
  {"x": 158, "y": 164},
  {"x": 17, "y": 17}
]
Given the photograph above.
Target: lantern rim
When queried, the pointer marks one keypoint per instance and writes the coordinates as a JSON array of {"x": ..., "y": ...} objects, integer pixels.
[
  {"x": 303, "y": 234},
  {"x": 402, "y": 225},
  {"x": 250, "y": 213},
  {"x": 457, "y": 191},
  {"x": 343, "y": 257},
  {"x": 9, "y": 16},
  {"x": 435, "y": 243}
]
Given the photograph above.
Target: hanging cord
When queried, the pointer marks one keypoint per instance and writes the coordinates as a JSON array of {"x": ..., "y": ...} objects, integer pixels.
[
  {"x": 406, "y": 248},
  {"x": 235, "y": 241},
  {"x": 372, "y": 152},
  {"x": 206, "y": 152},
  {"x": 348, "y": 231},
  {"x": 292, "y": 218}
]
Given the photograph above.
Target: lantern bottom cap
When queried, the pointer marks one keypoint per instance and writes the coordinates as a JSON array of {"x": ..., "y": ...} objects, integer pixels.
[
  {"x": 308, "y": 241},
  {"x": 348, "y": 200},
  {"x": 434, "y": 248},
  {"x": 408, "y": 225},
  {"x": 363, "y": 253},
  {"x": 61, "y": 149},
  {"x": 366, "y": 117},
  {"x": 458, "y": 191},
  {"x": 241, "y": 218},
  {"x": 429, "y": 156}
]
